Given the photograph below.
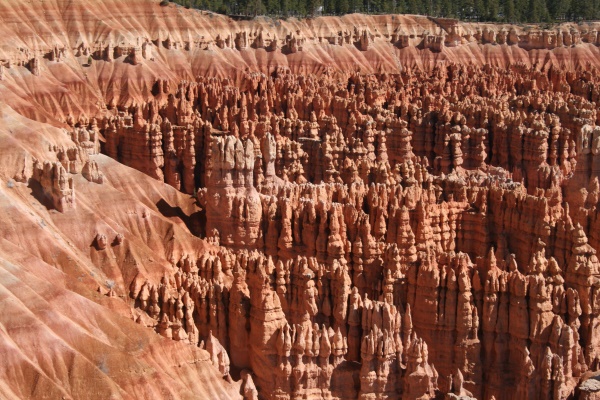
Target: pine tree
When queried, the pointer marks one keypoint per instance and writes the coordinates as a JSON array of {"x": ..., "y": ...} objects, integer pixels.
[
  {"x": 284, "y": 7},
  {"x": 273, "y": 7},
  {"x": 558, "y": 9},
  {"x": 447, "y": 9},
  {"x": 509, "y": 11},
  {"x": 255, "y": 7},
  {"x": 224, "y": 9},
  {"x": 412, "y": 7},
  {"x": 479, "y": 10},
  {"x": 521, "y": 9},
  {"x": 466, "y": 9},
  {"x": 389, "y": 6},
  {"x": 537, "y": 11},
  {"x": 492, "y": 8},
  {"x": 377, "y": 6},
  {"x": 512, "y": 11},
  {"x": 582, "y": 9},
  {"x": 427, "y": 6},
  {"x": 299, "y": 8},
  {"x": 341, "y": 7}
]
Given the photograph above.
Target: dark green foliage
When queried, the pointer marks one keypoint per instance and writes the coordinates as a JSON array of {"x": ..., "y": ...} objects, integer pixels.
[
  {"x": 512, "y": 11},
  {"x": 254, "y": 7},
  {"x": 537, "y": 11},
  {"x": 583, "y": 9},
  {"x": 509, "y": 11},
  {"x": 447, "y": 9},
  {"x": 558, "y": 9},
  {"x": 342, "y": 7}
]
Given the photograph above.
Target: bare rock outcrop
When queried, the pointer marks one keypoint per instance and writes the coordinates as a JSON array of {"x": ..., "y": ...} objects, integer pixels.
[
  {"x": 56, "y": 185},
  {"x": 357, "y": 208},
  {"x": 429, "y": 247}
]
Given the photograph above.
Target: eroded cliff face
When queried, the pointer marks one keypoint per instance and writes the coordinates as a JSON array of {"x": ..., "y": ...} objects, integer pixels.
[
  {"x": 391, "y": 235},
  {"x": 349, "y": 208}
]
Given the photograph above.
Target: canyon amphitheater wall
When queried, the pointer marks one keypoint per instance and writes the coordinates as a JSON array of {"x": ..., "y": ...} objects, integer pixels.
[{"x": 357, "y": 207}]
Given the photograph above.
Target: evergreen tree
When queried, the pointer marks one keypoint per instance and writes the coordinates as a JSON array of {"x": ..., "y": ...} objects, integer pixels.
[
  {"x": 341, "y": 7},
  {"x": 389, "y": 6},
  {"x": 273, "y": 7},
  {"x": 433, "y": 7},
  {"x": 413, "y": 6},
  {"x": 512, "y": 11},
  {"x": 479, "y": 11},
  {"x": 509, "y": 11},
  {"x": 582, "y": 9},
  {"x": 558, "y": 9},
  {"x": 466, "y": 9},
  {"x": 285, "y": 7},
  {"x": 203, "y": 4},
  {"x": 224, "y": 9},
  {"x": 492, "y": 10},
  {"x": 255, "y": 7},
  {"x": 521, "y": 9},
  {"x": 447, "y": 9},
  {"x": 299, "y": 8},
  {"x": 377, "y": 6},
  {"x": 329, "y": 6},
  {"x": 537, "y": 11}
]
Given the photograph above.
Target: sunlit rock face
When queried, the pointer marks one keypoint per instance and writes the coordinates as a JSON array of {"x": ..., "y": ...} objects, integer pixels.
[
  {"x": 233, "y": 207},
  {"x": 362, "y": 207},
  {"x": 399, "y": 232}
]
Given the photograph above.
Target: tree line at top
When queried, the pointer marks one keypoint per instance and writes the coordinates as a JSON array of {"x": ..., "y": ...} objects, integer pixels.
[{"x": 511, "y": 11}]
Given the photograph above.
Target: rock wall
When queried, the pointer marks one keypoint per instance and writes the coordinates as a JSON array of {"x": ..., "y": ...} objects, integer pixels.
[
  {"x": 415, "y": 234},
  {"x": 389, "y": 206}
]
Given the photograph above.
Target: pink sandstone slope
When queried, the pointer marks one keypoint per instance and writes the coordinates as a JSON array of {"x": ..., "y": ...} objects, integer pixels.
[{"x": 339, "y": 207}]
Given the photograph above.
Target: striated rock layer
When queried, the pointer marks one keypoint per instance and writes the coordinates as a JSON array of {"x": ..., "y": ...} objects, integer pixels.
[{"x": 364, "y": 207}]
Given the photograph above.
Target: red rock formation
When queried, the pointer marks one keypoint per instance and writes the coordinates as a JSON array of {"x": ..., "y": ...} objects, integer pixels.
[
  {"x": 56, "y": 185},
  {"x": 336, "y": 261},
  {"x": 373, "y": 223}
]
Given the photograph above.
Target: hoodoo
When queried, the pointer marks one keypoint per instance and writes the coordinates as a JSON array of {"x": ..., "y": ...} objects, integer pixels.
[{"x": 354, "y": 207}]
